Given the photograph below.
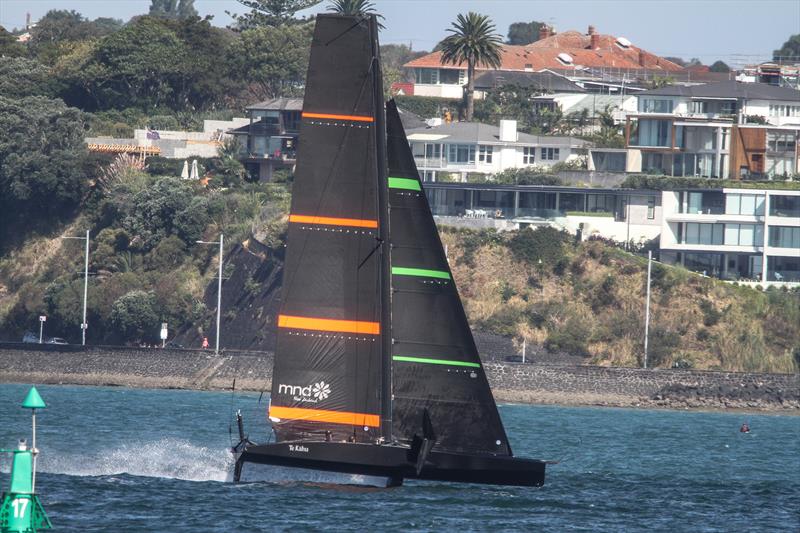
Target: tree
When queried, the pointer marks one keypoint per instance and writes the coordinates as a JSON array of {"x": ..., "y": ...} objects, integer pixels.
[
  {"x": 270, "y": 13},
  {"x": 172, "y": 9},
  {"x": 43, "y": 163},
  {"x": 134, "y": 316},
  {"x": 20, "y": 77},
  {"x": 677, "y": 60},
  {"x": 168, "y": 207},
  {"x": 473, "y": 40},
  {"x": 9, "y": 46},
  {"x": 151, "y": 63},
  {"x": 59, "y": 30},
  {"x": 272, "y": 60},
  {"x": 354, "y": 7},
  {"x": 522, "y": 33},
  {"x": 790, "y": 51},
  {"x": 719, "y": 66}
]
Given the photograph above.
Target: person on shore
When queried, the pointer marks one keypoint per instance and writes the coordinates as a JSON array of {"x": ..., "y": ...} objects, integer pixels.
[{"x": 205, "y": 343}]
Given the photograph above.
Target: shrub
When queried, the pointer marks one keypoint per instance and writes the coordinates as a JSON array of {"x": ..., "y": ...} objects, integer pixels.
[
  {"x": 134, "y": 316},
  {"x": 544, "y": 243}
]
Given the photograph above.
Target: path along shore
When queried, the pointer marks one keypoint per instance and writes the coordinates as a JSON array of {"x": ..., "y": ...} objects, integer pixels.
[{"x": 517, "y": 383}]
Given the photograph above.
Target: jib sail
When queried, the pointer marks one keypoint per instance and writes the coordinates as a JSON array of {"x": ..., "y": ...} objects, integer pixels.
[
  {"x": 436, "y": 367},
  {"x": 328, "y": 365}
]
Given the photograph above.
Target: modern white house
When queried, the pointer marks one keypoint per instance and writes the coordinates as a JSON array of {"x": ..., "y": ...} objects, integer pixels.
[
  {"x": 623, "y": 215},
  {"x": 458, "y": 149},
  {"x": 744, "y": 235},
  {"x": 723, "y": 130}
]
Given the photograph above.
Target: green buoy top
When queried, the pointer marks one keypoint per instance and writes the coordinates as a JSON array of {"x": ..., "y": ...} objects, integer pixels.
[{"x": 33, "y": 400}]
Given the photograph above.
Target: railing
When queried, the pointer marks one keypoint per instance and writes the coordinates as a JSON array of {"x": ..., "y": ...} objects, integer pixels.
[{"x": 430, "y": 162}]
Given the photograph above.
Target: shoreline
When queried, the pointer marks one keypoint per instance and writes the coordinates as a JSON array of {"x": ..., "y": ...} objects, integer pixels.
[
  {"x": 530, "y": 397},
  {"x": 578, "y": 386}
]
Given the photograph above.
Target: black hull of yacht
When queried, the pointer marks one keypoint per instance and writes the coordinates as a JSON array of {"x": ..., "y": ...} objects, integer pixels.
[{"x": 394, "y": 463}]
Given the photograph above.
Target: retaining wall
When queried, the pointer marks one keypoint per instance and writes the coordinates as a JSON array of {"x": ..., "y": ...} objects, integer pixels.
[{"x": 194, "y": 369}]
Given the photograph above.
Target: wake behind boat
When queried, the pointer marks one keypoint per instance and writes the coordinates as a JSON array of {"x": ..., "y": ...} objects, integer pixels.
[{"x": 376, "y": 371}]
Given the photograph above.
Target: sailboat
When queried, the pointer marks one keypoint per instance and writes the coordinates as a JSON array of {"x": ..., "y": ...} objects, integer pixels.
[{"x": 376, "y": 372}]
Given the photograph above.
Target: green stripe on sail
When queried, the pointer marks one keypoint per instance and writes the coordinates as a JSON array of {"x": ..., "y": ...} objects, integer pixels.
[
  {"x": 404, "y": 183},
  {"x": 422, "y": 272},
  {"x": 434, "y": 361}
]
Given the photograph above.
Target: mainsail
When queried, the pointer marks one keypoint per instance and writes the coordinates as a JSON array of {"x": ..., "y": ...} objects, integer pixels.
[
  {"x": 376, "y": 372},
  {"x": 328, "y": 364},
  {"x": 436, "y": 367}
]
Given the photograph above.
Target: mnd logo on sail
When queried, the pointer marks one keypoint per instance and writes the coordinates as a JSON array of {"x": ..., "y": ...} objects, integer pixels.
[{"x": 310, "y": 394}]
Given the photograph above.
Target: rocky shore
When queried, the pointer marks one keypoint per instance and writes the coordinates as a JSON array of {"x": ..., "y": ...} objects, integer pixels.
[{"x": 517, "y": 383}]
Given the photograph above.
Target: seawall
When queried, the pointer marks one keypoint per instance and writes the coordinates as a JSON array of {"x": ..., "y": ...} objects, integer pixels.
[{"x": 528, "y": 383}]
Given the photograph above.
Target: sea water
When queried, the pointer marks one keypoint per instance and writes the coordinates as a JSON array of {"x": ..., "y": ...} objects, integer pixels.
[{"x": 115, "y": 459}]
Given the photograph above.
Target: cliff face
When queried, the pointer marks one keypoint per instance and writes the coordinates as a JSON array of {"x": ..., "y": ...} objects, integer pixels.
[{"x": 251, "y": 282}]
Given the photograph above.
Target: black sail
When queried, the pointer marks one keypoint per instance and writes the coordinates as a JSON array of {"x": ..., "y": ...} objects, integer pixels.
[
  {"x": 435, "y": 367},
  {"x": 328, "y": 366}
]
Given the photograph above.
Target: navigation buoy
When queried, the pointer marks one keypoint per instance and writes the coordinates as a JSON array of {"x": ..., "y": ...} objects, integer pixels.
[{"x": 21, "y": 510}]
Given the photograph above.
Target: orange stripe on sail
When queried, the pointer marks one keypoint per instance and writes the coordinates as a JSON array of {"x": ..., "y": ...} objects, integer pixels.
[
  {"x": 333, "y": 221},
  {"x": 354, "y": 118},
  {"x": 319, "y": 415},
  {"x": 327, "y": 324}
]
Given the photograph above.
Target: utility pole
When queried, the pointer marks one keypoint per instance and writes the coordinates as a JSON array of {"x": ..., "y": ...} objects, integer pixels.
[
  {"x": 219, "y": 284},
  {"x": 84, "y": 325},
  {"x": 647, "y": 306}
]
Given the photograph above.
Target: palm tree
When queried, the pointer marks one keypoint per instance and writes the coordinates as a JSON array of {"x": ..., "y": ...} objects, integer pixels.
[
  {"x": 473, "y": 40},
  {"x": 354, "y": 7}
]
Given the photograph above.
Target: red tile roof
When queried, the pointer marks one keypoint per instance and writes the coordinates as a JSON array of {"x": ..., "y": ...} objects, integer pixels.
[{"x": 543, "y": 54}]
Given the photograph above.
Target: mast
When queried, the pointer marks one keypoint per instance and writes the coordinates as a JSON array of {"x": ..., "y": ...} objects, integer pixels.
[{"x": 383, "y": 236}]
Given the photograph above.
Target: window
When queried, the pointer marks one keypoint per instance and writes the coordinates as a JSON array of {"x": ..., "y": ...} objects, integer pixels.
[
  {"x": 449, "y": 76},
  {"x": 528, "y": 155},
  {"x": 485, "y": 153},
  {"x": 433, "y": 151},
  {"x": 651, "y": 208},
  {"x": 654, "y": 133},
  {"x": 461, "y": 153},
  {"x": 428, "y": 76},
  {"x": 784, "y": 206},
  {"x": 704, "y": 233},
  {"x": 651, "y": 105},
  {"x": 744, "y": 235},
  {"x": 550, "y": 154},
  {"x": 784, "y": 237}
]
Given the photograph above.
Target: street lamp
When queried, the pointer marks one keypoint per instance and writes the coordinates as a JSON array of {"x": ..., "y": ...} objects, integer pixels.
[
  {"x": 219, "y": 285},
  {"x": 84, "y": 325},
  {"x": 647, "y": 306}
]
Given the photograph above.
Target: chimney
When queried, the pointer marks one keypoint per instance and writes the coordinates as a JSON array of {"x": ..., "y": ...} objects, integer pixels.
[
  {"x": 508, "y": 131},
  {"x": 591, "y": 30},
  {"x": 641, "y": 58},
  {"x": 544, "y": 31},
  {"x": 594, "y": 40}
]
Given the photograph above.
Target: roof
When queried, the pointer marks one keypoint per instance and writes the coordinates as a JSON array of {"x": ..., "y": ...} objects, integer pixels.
[
  {"x": 543, "y": 54},
  {"x": 728, "y": 89},
  {"x": 476, "y": 132},
  {"x": 545, "y": 81},
  {"x": 279, "y": 104}
]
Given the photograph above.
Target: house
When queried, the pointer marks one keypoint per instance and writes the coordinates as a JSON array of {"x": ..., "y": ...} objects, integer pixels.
[
  {"x": 596, "y": 62},
  {"x": 780, "y": 74},
  {"x": 269, "y": 141},
  {"x": 744, "y": 235},
  {"x": 458, "y": 149},
  {"x": 623, "y": 215},
  {"x": 728, "y": 129}
]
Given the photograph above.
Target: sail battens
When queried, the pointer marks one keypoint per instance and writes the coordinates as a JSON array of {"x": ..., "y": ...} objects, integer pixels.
[
  {"x": 322, "y": 415},
  {"x": 420, "y": 272},
  {"x": 428, "y": 360},
  {"x": 333, "y": 116},
  {"x": 327, "y": 324},
  {"x": 333, "y": 221},
  {"x": 404, "y": 183}
]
